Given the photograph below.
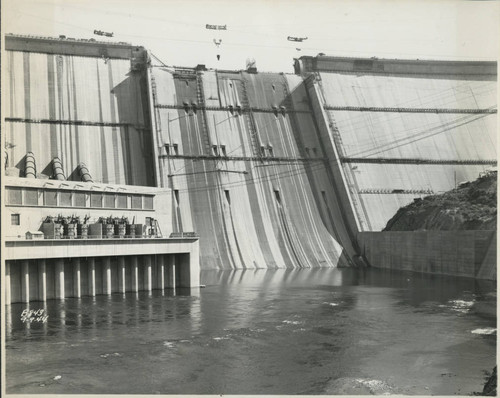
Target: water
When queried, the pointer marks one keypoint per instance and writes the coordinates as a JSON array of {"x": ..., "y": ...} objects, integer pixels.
[{"x": 312, "y": 331}]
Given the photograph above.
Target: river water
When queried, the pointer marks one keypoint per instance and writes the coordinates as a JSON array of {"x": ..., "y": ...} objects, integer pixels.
[{"x": 309, "y": 331}]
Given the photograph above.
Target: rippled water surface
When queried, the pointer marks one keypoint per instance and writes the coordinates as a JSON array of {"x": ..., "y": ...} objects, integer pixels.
[{"x": 313, "y": 331}]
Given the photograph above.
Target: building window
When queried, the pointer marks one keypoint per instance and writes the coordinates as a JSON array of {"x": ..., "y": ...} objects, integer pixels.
[
  {"x": 223, "y": 149},
  {"x": 96, "y": 200},
  {"x": 109, "y": 200},
  {"x": 228, "y": 198},
  {"x": 50, "y": 198},
  {"x": 215, "y": 150},
  {"x": 148, "y": 202},
  {"x": 14, "y": 196},
  {"x": 270, "y": 149},
  {"x": 136, "y": 201},
  {"x": 176, "y": 149},
  {"x": 121, "y": 201},
  {"x": 65, "y": 198},
  {"x": 15, "y": 219},
  {"x": 79, "y": 199},
  {"x": 31, "y": 197},
  {"x": 315, "y": 152},
  {"x": 167, "y": 149}
]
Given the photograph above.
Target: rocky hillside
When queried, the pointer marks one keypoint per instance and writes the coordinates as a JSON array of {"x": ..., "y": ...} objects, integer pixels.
[{"x": 473, "y": 205}]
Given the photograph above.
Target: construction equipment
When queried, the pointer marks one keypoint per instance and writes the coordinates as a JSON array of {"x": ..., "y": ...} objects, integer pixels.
[
  {"x": 101, "y": 33},
  {"x": 300, "y": 39}
]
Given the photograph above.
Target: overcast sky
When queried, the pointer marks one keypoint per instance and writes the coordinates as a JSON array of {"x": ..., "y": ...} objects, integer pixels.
[{"x": 175, "y": 30}]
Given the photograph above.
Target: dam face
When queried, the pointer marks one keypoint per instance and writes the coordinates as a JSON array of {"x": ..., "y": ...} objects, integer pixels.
[
  {"x": 81, "y": 103},
  {"x": 404, "y": 129},
  {"x": 242, "y": 156},
  {"x": 269, "y": 169}
]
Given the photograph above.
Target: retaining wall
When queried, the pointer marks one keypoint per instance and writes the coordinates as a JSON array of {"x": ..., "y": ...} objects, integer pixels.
[{"x": 460, "y": 253}]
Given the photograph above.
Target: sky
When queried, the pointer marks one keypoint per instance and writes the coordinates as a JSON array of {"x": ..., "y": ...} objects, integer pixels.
[{"x": 175, "y": 31}]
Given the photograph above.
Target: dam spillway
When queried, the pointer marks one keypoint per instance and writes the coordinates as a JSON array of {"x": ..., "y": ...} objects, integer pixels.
[
  {"x": 241, "y": 173},
  {"x": 269, "y": 169}
]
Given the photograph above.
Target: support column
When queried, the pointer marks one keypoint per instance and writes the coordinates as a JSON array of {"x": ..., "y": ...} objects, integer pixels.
[
  {"x": 8, "y": 297},
  {"x": 148, "y": 274},
  {"x": 25, "y": 281},
  {"x": 42, "y": 280},
  {"x": 91, "y": 264},
  {"x": 135, "y": 273},
  {"x": 171, "y": 272},
  {"x": 161, "y": 265},
  {"x": 121, "y": 274},
  {"x": 60, "y": 293},
  {"x": 107, "y": 272},
  {"x": 77, "y": 285}
]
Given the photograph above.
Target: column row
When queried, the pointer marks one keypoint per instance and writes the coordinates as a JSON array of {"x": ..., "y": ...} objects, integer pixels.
[{"x": 40, "y": 280}]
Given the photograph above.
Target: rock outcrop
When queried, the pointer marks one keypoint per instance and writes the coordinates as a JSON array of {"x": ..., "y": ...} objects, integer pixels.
[{"x": 471, "y": 206}]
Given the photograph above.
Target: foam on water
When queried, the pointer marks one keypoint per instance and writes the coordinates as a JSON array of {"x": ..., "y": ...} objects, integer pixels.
[{"x": 484, "y": 331}]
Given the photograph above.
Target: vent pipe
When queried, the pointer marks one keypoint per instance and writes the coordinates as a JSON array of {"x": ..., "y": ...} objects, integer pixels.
[
  {"x": 58, "y": 169},
  {"x": 30, "y": 166},
  {"x": 84, "y": 173}
]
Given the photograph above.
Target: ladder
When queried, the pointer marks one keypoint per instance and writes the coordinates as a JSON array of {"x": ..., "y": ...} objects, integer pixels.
[
  {"x": 250, "y": 121},
  {"x": 200, "y": 96}
]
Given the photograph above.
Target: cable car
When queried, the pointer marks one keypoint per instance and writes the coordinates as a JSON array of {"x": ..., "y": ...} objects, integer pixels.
[
  {"x": 101, "y": 33},
  {"x": 291, "y": 38}
]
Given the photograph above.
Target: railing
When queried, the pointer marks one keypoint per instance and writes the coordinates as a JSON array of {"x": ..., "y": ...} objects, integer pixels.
[
  {"x": 80, "y": 237},
  {"x": 183, "y": 235},
  {"x": 101, "y": 237}
]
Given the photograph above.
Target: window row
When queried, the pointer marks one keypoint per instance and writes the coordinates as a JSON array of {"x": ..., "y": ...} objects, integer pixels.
[{"x": 66, "y": 198}]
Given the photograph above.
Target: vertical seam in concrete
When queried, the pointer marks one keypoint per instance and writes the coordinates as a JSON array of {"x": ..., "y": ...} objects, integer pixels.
[
  {"x": 27, "y": 99},
  {"x": 114, "y": 134},
  {"x": 52, "y": 102},
  {"x": 104, "y": 168}
]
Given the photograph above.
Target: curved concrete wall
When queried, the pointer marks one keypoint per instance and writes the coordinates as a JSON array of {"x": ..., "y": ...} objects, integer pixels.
[{"x": 249, "y": 213}]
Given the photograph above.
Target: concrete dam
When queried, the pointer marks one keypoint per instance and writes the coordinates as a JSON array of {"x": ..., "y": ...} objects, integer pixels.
[{"x": 267, "y": 169}]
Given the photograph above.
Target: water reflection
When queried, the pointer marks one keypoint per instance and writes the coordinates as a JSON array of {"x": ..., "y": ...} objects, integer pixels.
[{"x": 284, "y": 331}]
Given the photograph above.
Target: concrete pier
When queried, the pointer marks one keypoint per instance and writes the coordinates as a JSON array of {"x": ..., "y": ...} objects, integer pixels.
[
  {"x": 7, "y": 283},
  {"x": 122, "y": 286},
  {"x": 170, "y": 280},
  {"x": 161, "y": 269},
  {"x": 60, "y": 286},
  {"x": 107, "y": 275},
  {"x": 39, "y": 277},
  {"x": 91, "y": 268},
  {"x": 148, "y": 274},
  {"x": 77, "y": 283},
  {"x": 42, "y": 280},
  {"x": 25, "y": 283},
  {"x": 135, "y": 274}
]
